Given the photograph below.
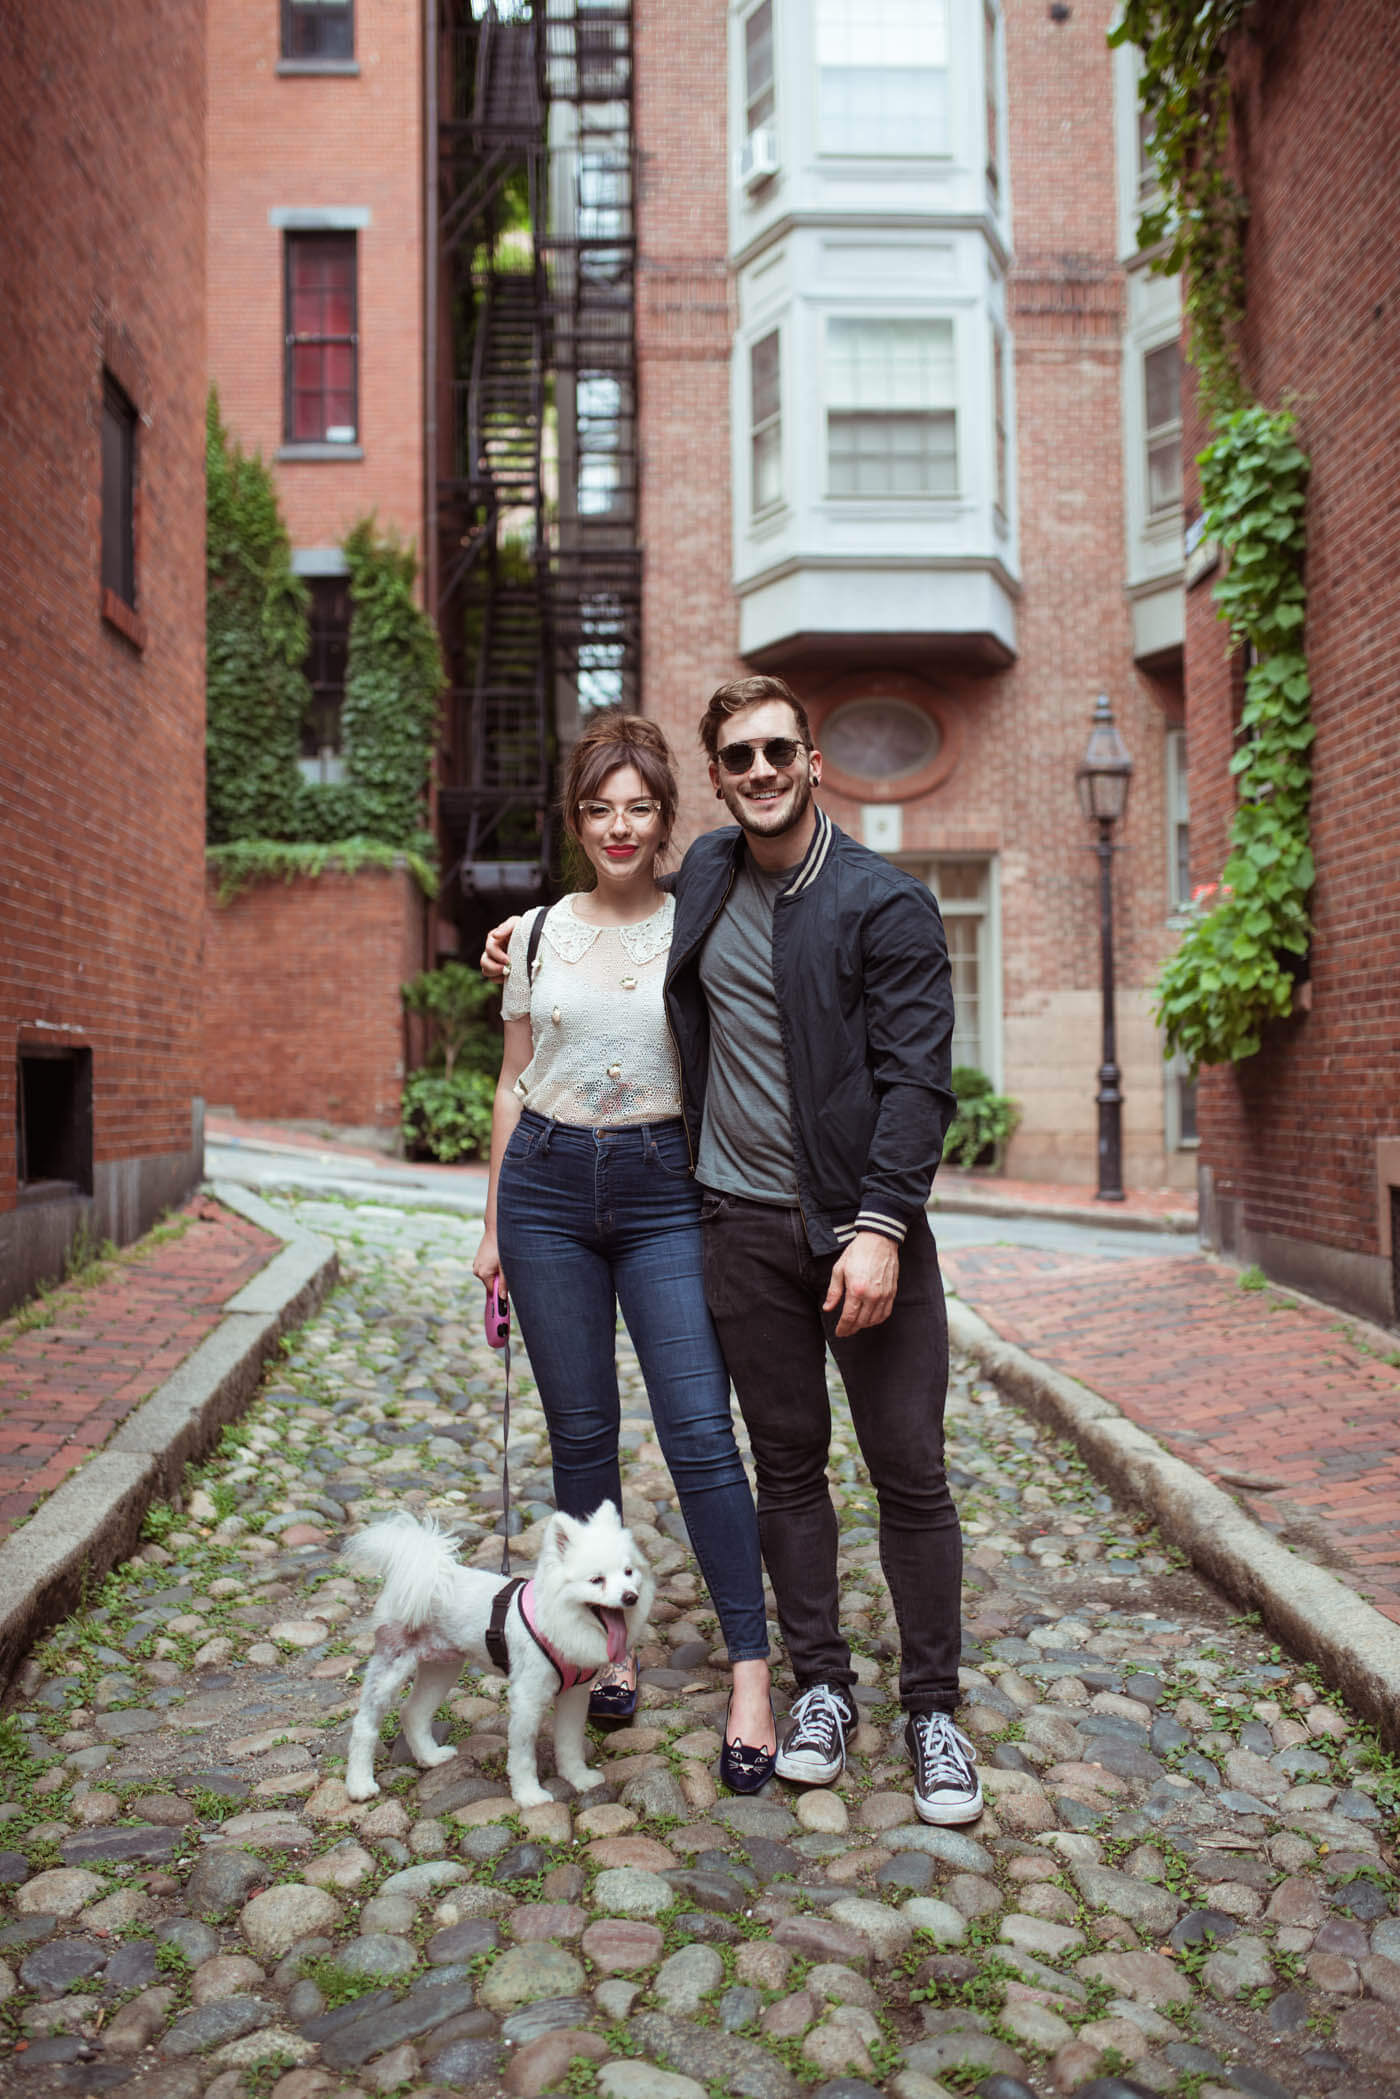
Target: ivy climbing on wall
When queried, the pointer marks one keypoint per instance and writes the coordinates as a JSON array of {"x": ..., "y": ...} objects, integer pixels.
[
  {"x": 256, "y": 642},
  {"x": 1235, "y": 966},
  {"x": 258, "y": 693}
]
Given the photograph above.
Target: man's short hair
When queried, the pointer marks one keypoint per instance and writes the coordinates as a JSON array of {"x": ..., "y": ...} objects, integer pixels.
[{"x": 740, "y": 693}]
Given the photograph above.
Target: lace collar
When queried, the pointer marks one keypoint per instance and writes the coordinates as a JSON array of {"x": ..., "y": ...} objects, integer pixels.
[{"x": 571, "y": 937}]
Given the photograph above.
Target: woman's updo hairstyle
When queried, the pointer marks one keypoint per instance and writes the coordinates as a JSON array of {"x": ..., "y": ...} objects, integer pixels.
[{"x": 609, "y": 742}]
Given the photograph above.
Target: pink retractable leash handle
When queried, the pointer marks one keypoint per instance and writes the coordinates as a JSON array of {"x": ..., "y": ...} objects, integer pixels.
[{"x": 498, "y": 1334}]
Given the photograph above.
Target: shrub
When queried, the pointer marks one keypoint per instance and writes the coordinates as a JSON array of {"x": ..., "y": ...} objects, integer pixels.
[
  {"x": 978, "y": 1133},
  {"x": 446, "y": 1107},
  {"x": 447, "y": 1118}
]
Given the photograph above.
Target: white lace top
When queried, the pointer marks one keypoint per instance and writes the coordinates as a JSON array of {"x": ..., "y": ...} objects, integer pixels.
[{"x": 602, "y": 1050}]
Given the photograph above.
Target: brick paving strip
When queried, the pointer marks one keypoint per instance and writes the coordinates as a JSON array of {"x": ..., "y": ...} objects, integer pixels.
[
  {"x": 1269, "y": 1396},
  {"x": 101, "y": 1410},
  {"x": 65, "y": 1387}
]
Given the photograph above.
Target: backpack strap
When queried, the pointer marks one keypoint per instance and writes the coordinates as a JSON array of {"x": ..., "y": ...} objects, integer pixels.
[{"x": 532, "y": 944}]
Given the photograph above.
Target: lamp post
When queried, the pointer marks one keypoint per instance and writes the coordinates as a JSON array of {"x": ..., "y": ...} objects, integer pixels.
[{"x": 1102, "y": 780}]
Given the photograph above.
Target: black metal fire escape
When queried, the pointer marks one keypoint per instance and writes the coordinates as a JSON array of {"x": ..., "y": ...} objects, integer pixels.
[{"x": 539, "y": 585}]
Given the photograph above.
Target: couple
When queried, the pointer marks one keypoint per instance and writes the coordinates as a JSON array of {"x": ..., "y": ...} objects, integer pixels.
[{"x": 777, "y": 1031}]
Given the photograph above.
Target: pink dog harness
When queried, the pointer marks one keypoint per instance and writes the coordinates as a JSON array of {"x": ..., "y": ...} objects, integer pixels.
[{"x": 522, "y": 1593}]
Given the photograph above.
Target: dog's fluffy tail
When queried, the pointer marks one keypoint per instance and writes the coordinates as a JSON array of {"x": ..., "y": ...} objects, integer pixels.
[{"x": 417, "y": 1561}]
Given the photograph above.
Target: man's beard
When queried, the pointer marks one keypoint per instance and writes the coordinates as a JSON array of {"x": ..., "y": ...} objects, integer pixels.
[{"x": 746, "y": 812}]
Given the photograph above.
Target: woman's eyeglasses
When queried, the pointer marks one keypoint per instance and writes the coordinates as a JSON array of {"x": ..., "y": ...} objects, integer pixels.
[
  {"x": 638, "y": 812},
  {"x": 778, "y": 750}
]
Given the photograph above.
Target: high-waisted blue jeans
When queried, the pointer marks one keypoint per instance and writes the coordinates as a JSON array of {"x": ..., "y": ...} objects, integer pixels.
[{"x": 590, "y": 1218}]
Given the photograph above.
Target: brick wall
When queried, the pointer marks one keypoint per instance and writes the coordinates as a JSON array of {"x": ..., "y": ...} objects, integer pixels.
[
  {"x": 281, "y": 140},
  {"x": 320, "y": 1035},
  {"x": 1291, "y": 1136},
  {"x": 101, "y": 741},
  {"x": 1022, "y": 731},
  {"x": 685, "y": 325}
]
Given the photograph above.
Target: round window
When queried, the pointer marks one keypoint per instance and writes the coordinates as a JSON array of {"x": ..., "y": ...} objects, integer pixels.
[{"x": 880, "y": 739}]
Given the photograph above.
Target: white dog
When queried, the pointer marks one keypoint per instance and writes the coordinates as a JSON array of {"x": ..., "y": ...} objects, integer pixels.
[{"x": 586, "y": 1605}]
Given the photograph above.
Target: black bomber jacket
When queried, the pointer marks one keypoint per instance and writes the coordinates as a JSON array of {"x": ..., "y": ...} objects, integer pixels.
[{"x": 865, "y": 1003}]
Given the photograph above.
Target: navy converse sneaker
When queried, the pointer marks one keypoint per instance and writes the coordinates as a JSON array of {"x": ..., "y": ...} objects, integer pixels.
[
  {"x": 813, "y": 1751},
  {"x": 946, "y": 1785}
]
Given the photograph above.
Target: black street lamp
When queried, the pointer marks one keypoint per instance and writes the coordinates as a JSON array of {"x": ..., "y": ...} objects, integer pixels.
[{"x": 1102, "y": 780}]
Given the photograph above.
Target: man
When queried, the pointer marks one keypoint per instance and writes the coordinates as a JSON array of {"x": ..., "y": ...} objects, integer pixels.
[{"x": 809, "y": 995}]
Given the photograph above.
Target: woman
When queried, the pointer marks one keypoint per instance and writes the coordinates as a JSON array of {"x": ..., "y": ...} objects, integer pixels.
[{"x": 591, "y": 1203}]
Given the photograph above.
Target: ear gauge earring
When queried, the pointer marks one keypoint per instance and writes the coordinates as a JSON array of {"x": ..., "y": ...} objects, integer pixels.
[{"x": 719, "y": 794}]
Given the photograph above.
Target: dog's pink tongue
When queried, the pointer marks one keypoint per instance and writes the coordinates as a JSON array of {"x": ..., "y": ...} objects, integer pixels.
[{"x": 617, "y": 1635}]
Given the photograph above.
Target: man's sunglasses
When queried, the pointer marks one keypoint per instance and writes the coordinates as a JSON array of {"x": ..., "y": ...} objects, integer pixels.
[{"x": 778, "y": 750}]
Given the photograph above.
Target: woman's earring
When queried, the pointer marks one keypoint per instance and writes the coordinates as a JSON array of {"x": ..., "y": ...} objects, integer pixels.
[{"x": 719, "y": 794}]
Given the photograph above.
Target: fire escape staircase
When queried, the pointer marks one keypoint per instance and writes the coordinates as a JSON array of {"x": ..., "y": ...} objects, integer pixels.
[{"x": 491, "y": 500}]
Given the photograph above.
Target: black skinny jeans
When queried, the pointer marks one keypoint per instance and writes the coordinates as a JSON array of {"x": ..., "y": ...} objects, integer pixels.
[{"x": 765, "y": 1287}]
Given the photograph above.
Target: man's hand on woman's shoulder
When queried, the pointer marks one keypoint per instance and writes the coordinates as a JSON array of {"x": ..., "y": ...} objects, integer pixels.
[{"x": 495, "y": 966}]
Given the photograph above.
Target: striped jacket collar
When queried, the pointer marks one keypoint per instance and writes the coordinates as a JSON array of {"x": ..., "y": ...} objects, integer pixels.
[{"x": 814, "y": 859}]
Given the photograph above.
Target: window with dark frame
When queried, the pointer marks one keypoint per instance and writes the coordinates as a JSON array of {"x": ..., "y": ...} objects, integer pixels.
[
  {"x": 118, "y": 492},
  {"x": 322, "y": 375},
  {"x": 322, "y": 745},
  {"x": 318, "y": 29}
]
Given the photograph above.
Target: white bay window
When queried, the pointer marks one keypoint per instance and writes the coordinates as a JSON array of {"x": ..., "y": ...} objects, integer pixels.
[
  {"x": 765, "y": 408},
  {"x": 891, "y": 408},
  {"x": 882, "y": 77}
]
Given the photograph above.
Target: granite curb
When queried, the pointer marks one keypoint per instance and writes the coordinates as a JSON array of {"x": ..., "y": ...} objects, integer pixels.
[
  {"x": 93, "y": 1520},
  {"x": 976, "y": 1202},
  {"x": 1305, "y": 1606}
]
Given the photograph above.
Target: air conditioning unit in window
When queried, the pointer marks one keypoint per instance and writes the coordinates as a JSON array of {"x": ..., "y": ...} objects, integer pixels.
[{"x": 758, "y": 162}]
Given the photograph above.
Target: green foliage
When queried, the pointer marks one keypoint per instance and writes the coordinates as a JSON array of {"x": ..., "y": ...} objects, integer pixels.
[
  {"x": 447, "y": 1118},
  {"x": 445, "y": 1109},
  {"x": 454, "y": 998},
  {"x": 1200, "y": 219},
  {"x": 258, "y": 693},
  {"x": 983, "y": 1123},
  {"x": 1232, "y": 971},
  {"x": 248, "y": 860},
  {"x": 256, "y": 640},
  {"x": 392, "y": 681}
]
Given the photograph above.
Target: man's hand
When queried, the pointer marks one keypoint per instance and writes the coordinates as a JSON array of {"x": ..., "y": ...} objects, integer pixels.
[
  {"x": 867, "y": 1277},
  {"x": 494, "y": 964}
]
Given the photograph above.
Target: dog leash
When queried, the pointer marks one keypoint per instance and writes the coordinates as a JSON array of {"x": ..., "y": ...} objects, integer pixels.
[{"x": 498, "y": 1334}]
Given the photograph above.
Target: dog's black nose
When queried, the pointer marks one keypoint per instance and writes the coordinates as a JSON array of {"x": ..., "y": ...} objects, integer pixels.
[{"x": 629, "y": 1597}]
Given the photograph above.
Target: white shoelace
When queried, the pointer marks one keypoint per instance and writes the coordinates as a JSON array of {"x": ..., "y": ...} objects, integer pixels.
[
  {"x": 820, "y": 1720},
  {"x": 946, "y": 1756}
]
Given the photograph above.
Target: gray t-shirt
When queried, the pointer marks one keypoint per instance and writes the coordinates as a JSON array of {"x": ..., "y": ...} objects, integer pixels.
[{"x": 746, "y": 1138}]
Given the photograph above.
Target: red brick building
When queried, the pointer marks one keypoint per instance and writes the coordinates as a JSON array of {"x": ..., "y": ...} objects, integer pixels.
[
  {"x": 1300, "y": 1145},
  {"x": 102, "y": 381},
  {"x": 856, "y": 375},
  {"x": 316, "y": 344},
  {"x": 895, "y": 351}
]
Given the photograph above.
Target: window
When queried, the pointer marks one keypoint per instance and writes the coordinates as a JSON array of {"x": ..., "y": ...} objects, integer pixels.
[
  {"x": 1178, "y": 823},
  {"x": 322, "y": 343},
  {"x": 1146, "y": 165},
  {"x": 598, "y": 416},
  {"x": 964, "y": 892},
  {"x": 118, "y": 493},
  {"x": 991, "y": 85},
  {"x": 891, "y": 425},
  {"x": 766, "y": 421},
  {"x": 759, "y": 102},
  {"x": 1161, "y": 369},
  {"x": 882, "y": 76},
  {"x": 318, "y": 29},
  {"x": 1000, "y": 485},
  {"x": 53, "y": 1122},
  {"x": 322, "y": 748}
]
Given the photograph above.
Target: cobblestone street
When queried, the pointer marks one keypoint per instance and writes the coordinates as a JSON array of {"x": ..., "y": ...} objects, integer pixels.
[{"x": 1185, "y": 1876}]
